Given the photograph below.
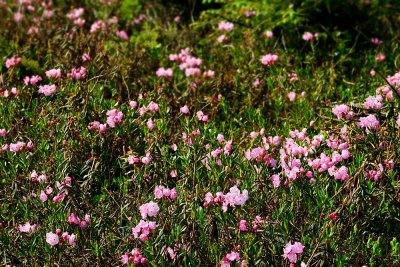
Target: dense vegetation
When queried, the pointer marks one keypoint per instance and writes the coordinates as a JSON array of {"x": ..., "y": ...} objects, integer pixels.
[{"x": 199, "y": 133}]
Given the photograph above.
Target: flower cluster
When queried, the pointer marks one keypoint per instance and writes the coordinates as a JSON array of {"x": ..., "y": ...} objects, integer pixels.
[
  {"x": 54, "y": 73},
  {"x": 77, "y": 73},
  {"x": 27, "y": 228},
  {"x": 149, "y": 209},
  {"x": 233, "y": 198},
  {"x": 13, "y": 62},
  {"x": 73, "y": 219},
  {"x": 161, "y": 191},
  {"x": 291, "y": 251},
  {"x": 47, "y": 90},
  {"x": 134, "y": 257},
  {"x": 54, "y": 238},
  {"x": 269, "y": 59},
  {"x": 114, "y": 117},
  {"x": 33, "y": 80},
  {"x": 143, "y": 229}
]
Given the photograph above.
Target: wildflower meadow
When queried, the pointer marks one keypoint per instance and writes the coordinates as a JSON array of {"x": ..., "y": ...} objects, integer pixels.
[{"x": 199, "y": 133}]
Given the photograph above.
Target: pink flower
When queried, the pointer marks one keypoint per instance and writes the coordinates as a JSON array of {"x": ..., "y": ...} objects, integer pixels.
[
  {"x": 53, "y": 73},
  {"x": 292, "y": 96},
  {"x": 174, "y": 194},
  {"x": 185, "y": 109},
  {"x": 368, "y": 122},
  {"x": 114, "y": 117},
  {"x": 269, "y": 59},
  {"x": 122, "y": 35},
  {"x": 233, "y": 256},
  {"x": 340, "y": 110},
  {"x": 27, "y": 228},
  {"x": 158, "y": 192},
  {"x": 276, "y": 180},
  {"x": 85, "y": 57},
  {"x": 242, "y": 225},
  {"x": 374, "y": 102},
  {"x": 75, "y": 13},
  {"x": 13, "y": 62},
  {"x": 77, "y": 73},
  {"x": 43, "y": 196},
  {"x": 18, "y": 16},
  {"x": 150, "y": 124},
  {"x": 269, "y": 34},
  {"x": 290, "y": 251},
  {"x": 398, "y": 120},
  {"x": 47, "y": 89},
  {"x": 97, "y": 26},
  {"x": 71, "y": 240},
  {"x": 192, "y": 72},
  {"x": 380, "y": 58},
  {"x": 162, "y": 72},
  {"x": 3, "y": 132},
  {"x": 145, "y": 160},
  {"x": 308, "y": 36},
  {"x": 149, "y": 209},
  {"x": 52, "y": 239},
  {"x": 376, "y": 41},
  {"x": 225, "y": 26},
  {"x": 222, "y": 38},
  {"x": 171, "y": 253},
  {"x": 209, "y": 74}
]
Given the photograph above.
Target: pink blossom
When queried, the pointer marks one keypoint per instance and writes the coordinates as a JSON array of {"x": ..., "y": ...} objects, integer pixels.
[
  {"x": 13, "y": 62},
  {"x": 276, "y": 180},
  {"x": 209, "y": 74},
  {"x": 114, "y": 116},
  {"x": 33, "y": 80},
  {"x": 52, "y": 239},
  {"x": 269, "y": 59},
  {"x": 225, "y": 26},
  {"x": 171, "y": 253},
  {"x": 53, "y": 73},
  {"x": 192, "y": 72},
  {"x": 398, "y": 120},
  {"x": 18, "y": 16},
  {"x": 150, "y": 124},
  {"x": 47, "y": 89},
  {"x": 162, "y": 72},
  {"x": 149, "y": 209},
  {"x": 75, "y": 13},
  {"x": 242, "y": 225},
  {"x": 374, "y": 102},
  {"x": 122, "y": 35},
  {"x": 3, "y": 132},
  {"x": 27, "y": 228},
  {"x": 269, "y": 34},
  {"x": 308, "y": 36},
  {"x": 376, "y": 41},
  {"x": 85, "y": 57},
  {"x": 340, "y": 110},
  {"x": 222, "y": 38},
  {"x": 77, "y": 73},
  {"x": 291, "y": 251},
  {"x": 292, "y": 96},
  {"x": 145, "y": 160},
  {"x": 380, "y": 58},
  {"x": 369, "y": 122},
  {"x": 96, "y": 26},
  {"x": 184, "y": 109},
  {"x": 43, "y": 196}
]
